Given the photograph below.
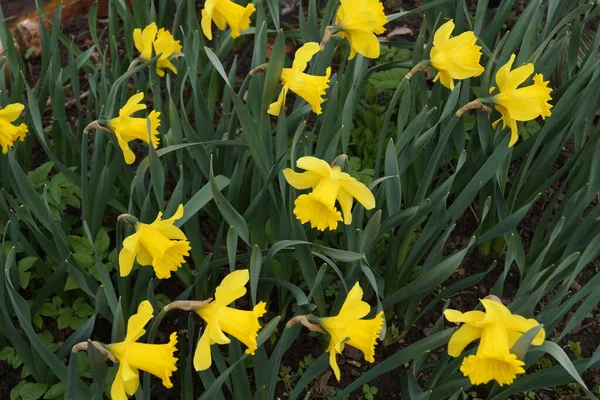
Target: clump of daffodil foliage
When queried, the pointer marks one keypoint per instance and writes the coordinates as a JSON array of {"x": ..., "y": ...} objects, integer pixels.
[{"x": 246, "y": 206}]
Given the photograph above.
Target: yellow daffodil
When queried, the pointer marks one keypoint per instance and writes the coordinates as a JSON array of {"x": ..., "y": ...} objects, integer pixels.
[
  {"x": 520, "y": 104},
  {"x": 455, "y": 57},
  {"x": 220, "y": 319},
  {"x": 160, "y": 244},
  {"x": 127, "y": 128},
  {"x": 10, "y": 133},
  {"x": 163, "y": 43},
  {"x": 156, "y": 359},
  {"x": 360, "y": 21},
  {"x": 223, "y": 13},
  {"x": 310, "y": 87},
  {"x": 348, "y": 328},
  {"x": 498, "y": 330},
  {"x": 328, "y": 184}
]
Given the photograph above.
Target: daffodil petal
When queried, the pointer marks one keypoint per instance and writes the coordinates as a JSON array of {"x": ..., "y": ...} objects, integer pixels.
[
  {"x": 465, "y": 335},
  {"x": 442, "y": 34},
  {"x": 354, "y": 307},
  {"x": 232, "y": 287},
  {"x": 346, "y": 201},
  {"x": 522, "y": 324},
  {"x": 303, "y": 180},
  {"x": 127, "y": 254},
  {"x": 275, "y": 107},
  {"x": 202, "y": 356},
  {"x": 359, "y": 191},
  {"x": 315, "y": 165},
  {"x": 304, "y": 54},
  {"x": 133, "y": 105},
  {"x": 11, "y": 112},
  {"x": 137, "y": 322},
  {"x": 333, "y": 360},
  {"x": 470, "y": 317}
]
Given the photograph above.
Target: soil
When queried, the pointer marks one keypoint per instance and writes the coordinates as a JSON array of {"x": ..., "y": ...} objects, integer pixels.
[{"x": 350, "y": 363}]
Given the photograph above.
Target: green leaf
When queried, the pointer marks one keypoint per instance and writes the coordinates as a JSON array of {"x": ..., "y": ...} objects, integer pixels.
[
  {"x": 521, "y": 346},
  {"x": 201, "y": 198},
  {"x": 102, "y": 242},
  {"x": 81, "y": 245},
  {"x": 563, "y": 359},
  {"x": 228, "y": 212},
  {"x": 56, "y": 391},
  {"x": 32, "y": 391},
  {"x": 39, "y": 176}
]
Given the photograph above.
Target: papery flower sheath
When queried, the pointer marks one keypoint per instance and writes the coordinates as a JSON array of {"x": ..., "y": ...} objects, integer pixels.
[
  {"x": 520, "y": 104},
  {"x": 127, "y": 128},
  {"x": 310, "y": 87},
  {"x": 498, "y": 330},
  {"x": 360, "y": 21},
  {"x": 455, "y": 57},
  {"x": 328, "y": 184},
  {"x": 156, "y": 359},
  {"x": 223, "y": 13},
  {"x": 160, "y": 244},
  {"x": 163, "y": 43},
  {"x": 221, "y": 319},
  {"x": 10, "y": 133},
  {"x": 348, "y": 327}
]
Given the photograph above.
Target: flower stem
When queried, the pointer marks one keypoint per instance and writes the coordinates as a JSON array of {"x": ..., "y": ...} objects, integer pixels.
[
  {"x": 474, "y": 105},
  {"x": 128, "y": 219},
  {"x": 423, "y": 66},
  {"x": 312, "y": 325},
  {"x": 330, "y": 31},
  {"x": 260, "y": 68},
  {"x": 83, "y": 346},
  {"x": 134, "y": 63},
  {"x": 98, "y": 124}
]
